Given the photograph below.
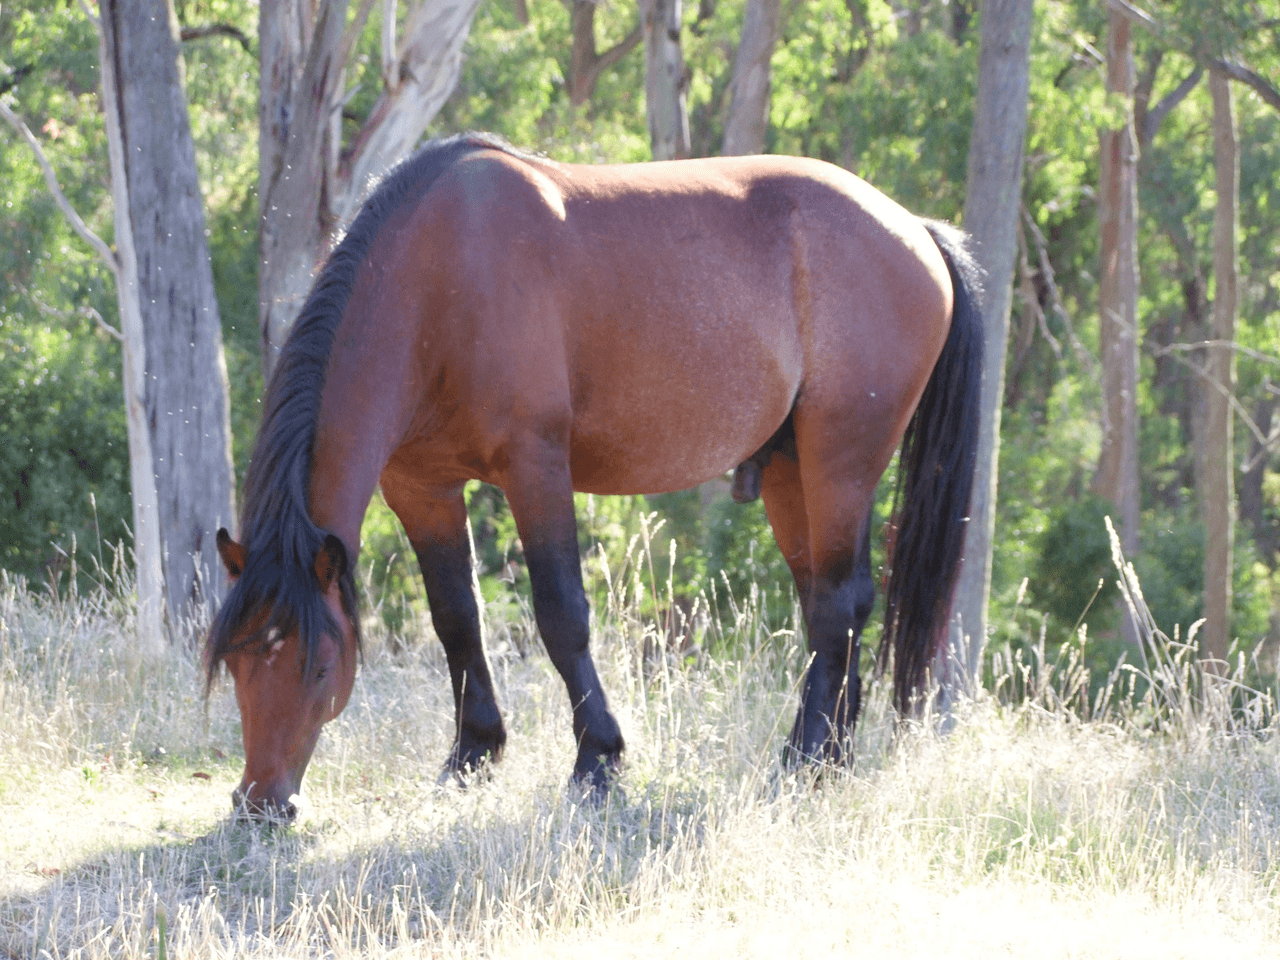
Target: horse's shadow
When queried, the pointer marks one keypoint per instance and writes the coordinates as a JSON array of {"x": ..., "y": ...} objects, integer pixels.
[{"x": 432, "y": 873}]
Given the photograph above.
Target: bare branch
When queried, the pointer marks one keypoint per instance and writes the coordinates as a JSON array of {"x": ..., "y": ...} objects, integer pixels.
[
  {"x": 84, "y": 311},
  {"x": 621, "y": 48},
  {"x": 1266, "y": 442},
  {"x": 1155, "y": 116},
  {"x": 1087, "y": 359},
  {"x": 1131, "y": 12},
  {"x": 216, "y": 30},
  {"x": 1238, "y": 71},
  {"x": 88, "y": 12},
  {"x": 350, "y": 36},
  {"x": 1028, "y": 291},
  {"x": 51, "y": 179},
  {"x": 1229, "y": 344},
  {"x": 93, "y": 314},
  {"x": 1146, "y": 82}
]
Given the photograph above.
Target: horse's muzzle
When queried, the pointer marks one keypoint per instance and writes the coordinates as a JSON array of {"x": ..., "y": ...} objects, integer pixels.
[{"x": 266, "y": 809}]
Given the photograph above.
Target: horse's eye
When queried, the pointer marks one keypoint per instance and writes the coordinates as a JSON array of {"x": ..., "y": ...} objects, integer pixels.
[{"x": 322, "y": 673}]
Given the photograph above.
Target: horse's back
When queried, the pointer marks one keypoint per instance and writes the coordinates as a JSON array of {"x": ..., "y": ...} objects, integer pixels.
[{"x": 669, "y": 314}]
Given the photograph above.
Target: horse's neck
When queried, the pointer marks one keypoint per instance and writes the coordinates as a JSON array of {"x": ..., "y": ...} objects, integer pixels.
[{"x": 365, "y": 409}]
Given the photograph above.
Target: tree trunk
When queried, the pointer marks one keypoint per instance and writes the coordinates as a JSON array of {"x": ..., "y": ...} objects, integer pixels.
[
  {"x": 142, "y": 477},
  {"x": 297, "y": 76},
  {"x": 1117, "y": 474},
  {"x": 1217, "y": 473},
  {"x": 664, "y": 84},
  {"x": 748, "y": 119},
  {"x": 993, "y": 197},
  {"x": 186, "y": 404},
  {"x": 310, "y": 184}
]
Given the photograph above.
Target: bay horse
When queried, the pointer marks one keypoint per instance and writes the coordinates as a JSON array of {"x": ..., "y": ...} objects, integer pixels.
[{"x": 549, "y": 327}]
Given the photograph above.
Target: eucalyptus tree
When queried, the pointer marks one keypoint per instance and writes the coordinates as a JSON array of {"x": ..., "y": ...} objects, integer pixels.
[
  {"x": 315, "y": 165},
  {"x": 665, "y": 86},
  {"x": 748, "y": 112},
  {"x": 993, "y": 198},
  {"x": 1221, "y": 39},
  {"x": 175, "y": 380}
]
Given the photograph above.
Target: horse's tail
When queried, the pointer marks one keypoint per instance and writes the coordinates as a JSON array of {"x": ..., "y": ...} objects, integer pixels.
[{"x": 935, "y": 476}]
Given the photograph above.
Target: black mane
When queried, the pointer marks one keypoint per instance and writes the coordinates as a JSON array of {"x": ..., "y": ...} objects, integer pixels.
[{"x": 280, "y": 539}]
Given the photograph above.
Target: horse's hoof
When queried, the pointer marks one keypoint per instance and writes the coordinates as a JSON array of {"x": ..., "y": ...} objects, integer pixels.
[
  {"x": 596, "y": 777},
  {"x": 467, "y": 767},
  {"x": 830, "y": 754}
]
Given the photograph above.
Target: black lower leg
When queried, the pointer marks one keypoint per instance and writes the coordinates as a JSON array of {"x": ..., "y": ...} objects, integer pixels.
[
  {"x": 831, "y": 698},
  {"x": 560, "y": 605},
  {"x": 479, "y": 733}
]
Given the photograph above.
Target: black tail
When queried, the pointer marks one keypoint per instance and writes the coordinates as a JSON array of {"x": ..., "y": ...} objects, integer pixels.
[{"x": 935, "y": 475}]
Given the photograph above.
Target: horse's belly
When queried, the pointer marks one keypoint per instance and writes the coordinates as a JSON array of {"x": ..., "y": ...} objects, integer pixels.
[
  {"x": 659, "y": 427},
  {"x": 601, "y": 465}
]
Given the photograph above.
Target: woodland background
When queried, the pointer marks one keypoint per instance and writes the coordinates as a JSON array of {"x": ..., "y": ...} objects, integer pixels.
[{"x": 886, "y": 89}]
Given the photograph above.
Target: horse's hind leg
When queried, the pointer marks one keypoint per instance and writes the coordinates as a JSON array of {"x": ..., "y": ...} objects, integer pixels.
[
  {"x": 437, "y": 530},
  {"x": 540, "y": 493},
  {"x": 823, "y": 530}
]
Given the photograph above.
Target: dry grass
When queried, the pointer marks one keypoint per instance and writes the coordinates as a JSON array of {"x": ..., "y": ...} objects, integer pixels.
[{"x": 1148, "y": 830}]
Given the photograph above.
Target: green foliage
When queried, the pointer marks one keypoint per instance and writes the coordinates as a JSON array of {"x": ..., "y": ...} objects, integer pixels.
[
  {"x": 62, "y": 443},
  {"x": 742, "y": 554},
  {"x": 1074, "y": 578},
  {"x": 62, "y": 440}
]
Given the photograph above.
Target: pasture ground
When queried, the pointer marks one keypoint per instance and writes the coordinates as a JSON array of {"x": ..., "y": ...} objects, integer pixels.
[{"x": 1046, "y": 828}]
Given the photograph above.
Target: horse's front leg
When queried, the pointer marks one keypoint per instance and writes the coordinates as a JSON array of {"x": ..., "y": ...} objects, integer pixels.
[
  {"x": 541, "y": 499},
  {"x": 437, "y": 530}
]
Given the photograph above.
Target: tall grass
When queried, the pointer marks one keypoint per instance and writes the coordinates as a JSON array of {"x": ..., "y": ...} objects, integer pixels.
[{"x": 1141, "y": 820}]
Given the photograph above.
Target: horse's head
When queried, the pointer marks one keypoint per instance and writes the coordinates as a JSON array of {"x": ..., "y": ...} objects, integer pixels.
[{"x": 285, "y": 692}]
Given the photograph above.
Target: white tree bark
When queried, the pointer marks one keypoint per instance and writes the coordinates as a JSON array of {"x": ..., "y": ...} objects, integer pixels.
[
  {"x": 142, "y": 478},
  {"x": 169, "y": 328},
  {"x": 993, "y": 197},
  {"x": 748, "y": 118},
  {"x": 171, "y": 283},
  {"x": 664, "y": 88},
  {"x": 310, "y": 182},
  {"x": 146, "y": 527}
]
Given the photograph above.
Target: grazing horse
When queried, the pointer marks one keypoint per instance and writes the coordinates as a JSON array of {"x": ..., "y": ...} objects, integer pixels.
[{"x": 547, "y": 328}]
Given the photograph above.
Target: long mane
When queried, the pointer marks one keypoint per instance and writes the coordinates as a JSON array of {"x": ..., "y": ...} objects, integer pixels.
[{"x": 276, "y": 528}]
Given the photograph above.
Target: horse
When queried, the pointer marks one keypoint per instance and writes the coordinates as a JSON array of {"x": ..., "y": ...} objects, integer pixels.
[{"x": 548, "y": 328}]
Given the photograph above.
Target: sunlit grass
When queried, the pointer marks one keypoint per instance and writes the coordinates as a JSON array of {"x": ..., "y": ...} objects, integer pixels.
[{"x": 1049, "y": 824}]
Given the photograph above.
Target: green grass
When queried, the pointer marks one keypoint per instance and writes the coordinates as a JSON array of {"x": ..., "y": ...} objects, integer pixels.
[{"x": 1046, "y": 824}]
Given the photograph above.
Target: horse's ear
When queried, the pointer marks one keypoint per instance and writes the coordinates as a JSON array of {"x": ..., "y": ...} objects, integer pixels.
[
  {"x": 232, "y": 553},
  {"x": 331, "y": 562}
]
